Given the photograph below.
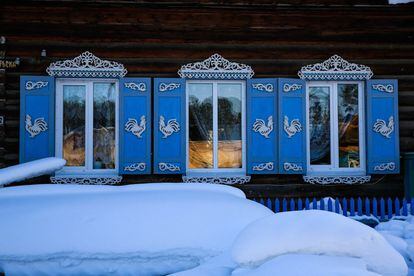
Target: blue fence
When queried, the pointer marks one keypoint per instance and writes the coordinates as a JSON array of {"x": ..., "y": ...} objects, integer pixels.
[{"x": 350, "y": 207}]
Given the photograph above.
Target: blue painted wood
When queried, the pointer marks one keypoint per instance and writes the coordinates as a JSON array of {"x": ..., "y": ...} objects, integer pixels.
[
  {"x": 292, "y": 141},
  {"x": 375, "y": 207},
  {"x": 389, "y": 207},
  {"x": 169, "y": 102},
  {"x": 412, "y": 206},
  {"x": 262, "y": 105},
  {"x": 284, "y": 205},
  {"x": 133, "y": 104},
  {"x": 307, "y": 204},
  {"x": 321, "y": 204},
  {"x": 330, "y": 207},
  {"x": 382, "y": 149},
  {"x": 292, "y": 204},
  {"x": 382, "y": 208},
  {"x": 404, "y": 208},
  {"x": 345, "y": 207},
  {"x": 337, "y": 206},
  {"x": 359, "y": 206},
  {"x": 262, "y": 201},
  {"x": 352, "y": 207},
  {"x": 314, "y": 204},
  {"x": 397, "y": 207},
  {"x": 367, "y": 207},
  {"x": 269, "y": 204},
  {"x": 277, "y": 205},
  {"x": 37, "y": 103},
  {"x": 300, "y": 207}
]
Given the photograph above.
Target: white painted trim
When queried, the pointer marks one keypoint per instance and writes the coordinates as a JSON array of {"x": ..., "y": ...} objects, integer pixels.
[
  {"x": 88, "y": 168},
  {"x": 214, "y": 170},
  {"x": 334, "y": 169}
]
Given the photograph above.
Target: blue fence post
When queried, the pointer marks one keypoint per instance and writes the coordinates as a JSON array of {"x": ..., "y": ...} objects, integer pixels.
[
  {"x": 412, "y": 206},
  {"x": 337, "y": 205},
  {"x": 330, "y": 208},
  {"x": 352, "y": 207},
  {"x": 300, "y": 207},
  {"x": 367, "y": 207},
  {"x": 397, "y": 206},
  {"x": 359, "y": 203},
  {"x": 277, "y": 205},
  {"x": 382, "y": 208},
  {"x": 262, "y": 201},
  {"x": 315, "y": 204},
  {"x": 292, "y": 204},
  {"x": 405, "y": 211},
  {"x": 307, "y": 203},
  {"x": 374, "y": 207},
  {"x": 284, "y": 205},
  {"x": 345, "y": 206},
  {"x": 322, "y": 204},
  {"x": 389, "y": 208},
  {"x": 269, "y": 204}
]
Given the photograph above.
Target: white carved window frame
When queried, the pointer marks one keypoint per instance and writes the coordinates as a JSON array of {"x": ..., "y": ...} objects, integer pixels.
[
  {"x": 216, "y": 170},
  {"x": 334, "y": 168},
  {"x": 88, "y": 168}
]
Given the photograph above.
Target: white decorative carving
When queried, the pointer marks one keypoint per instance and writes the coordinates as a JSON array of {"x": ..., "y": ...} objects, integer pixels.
[
  {"x": 390, "y": 166},
  {"x": 31, "y": 85},
  {"x": 260, "y": 126},
  {"x": 171, "y": 127},
  {"x": 168, "y": 167},
  {"x": 136, "y": 86},
  {"x": 291, "y": 128},
  {"x": 92, "y": 180},
  {"x": 229, "y": 180},
  {"x": 336, "y": 179},
  {"x": 264, "y": 166},
  {"x": 136, "y": 167},
  {"x": 268, "y": 87},
  {"x": 86, "y": 65},
  {"x": 335, "y": 68},
  {"x": 216, "y": 67},
  {"x": 381, "y": 127},
  {"x": 291, "y": 87},
  {"x": 168, "y": 86},
  {"x": 35, "y": 128},
  {"x": 136, "y": 129},
  {"x": 389, "y": 88},
  {"x": 292, "y": 167}
]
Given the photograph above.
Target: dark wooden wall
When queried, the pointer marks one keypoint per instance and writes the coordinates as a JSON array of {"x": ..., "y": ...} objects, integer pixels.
[{"x": 154, "y": 38}]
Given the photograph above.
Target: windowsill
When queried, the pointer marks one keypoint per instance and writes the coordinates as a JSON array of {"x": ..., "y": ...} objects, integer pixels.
[
  {"x": 230, "y": 178},
  {"x": 325, "y": 179},
  {"x": 86, "y": 179}
]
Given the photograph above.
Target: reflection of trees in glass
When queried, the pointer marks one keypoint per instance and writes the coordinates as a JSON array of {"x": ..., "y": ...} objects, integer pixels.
[
  {"x": 104, "y": 106},
  {"x": 200, "y": 119},
  {"x": 229, "y": 119}
]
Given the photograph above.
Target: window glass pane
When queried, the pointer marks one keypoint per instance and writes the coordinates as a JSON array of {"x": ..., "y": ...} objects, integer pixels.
[
  {"x": 348, "y": 126},
  {"x": 319, "y": 126},
  {"x": 229, "y": 125},
  {"x": 74, "y": 124},
  {"x": 200, "y": 98},
  {"x": 104, "y": 126}
]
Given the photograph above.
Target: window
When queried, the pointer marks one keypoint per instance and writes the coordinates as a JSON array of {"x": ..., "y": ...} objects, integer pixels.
[
  {"x": 216, "y": 126},
  {"x": 335, "y": 114},
  {"x": 86, "y": 125}
]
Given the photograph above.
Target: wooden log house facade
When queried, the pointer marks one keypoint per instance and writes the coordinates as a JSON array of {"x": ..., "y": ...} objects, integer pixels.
[{"x": 280, "y": 98}]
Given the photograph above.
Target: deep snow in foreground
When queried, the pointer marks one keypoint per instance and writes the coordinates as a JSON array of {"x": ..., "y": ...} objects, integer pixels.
[{"x": 187, "y": 229}]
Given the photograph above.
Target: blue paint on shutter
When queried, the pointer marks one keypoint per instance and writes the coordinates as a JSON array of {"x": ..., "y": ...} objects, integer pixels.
[
  {"x": 134, "y": 142},
  {"x": 169, "y": 142},
  {"x": 261, "y": 115},
  {"x": 383, "y": 155},
  {"x": 292, "y": 126},
  {"x": 37, "y": 106}
]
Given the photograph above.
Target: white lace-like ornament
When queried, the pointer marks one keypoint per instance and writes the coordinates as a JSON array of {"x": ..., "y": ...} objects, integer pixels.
[
  {"x": 136, "y": 86},
  {"x": 269, "y": 166},
  {"x": 136, "y": 167},
  {"x": 268, "y": 87},
  {"x": 87, "y": 65},
  {"x": 262, "y": 128},
  {"x": 229, "y": 180},
  {"x": 381, "y": 127},
  {"x": 136, "y": 128},
  {"x": 336, "y": 179},
  {"x": 163, "y": 87},
  {"x": 95, "y": 180},
  {"x": 291, "y": 128},
  {"x": 390, "y": 166},
  {"x": 216, "y": 67},
  {"x": 291, "y": 87},
  {"x": 168, "y": 167},
  {"x": 169, "y": 128},
  {"x": 30, "y": 85},
  {"x": 292, "y": 167},
  {"x": 335, "y": 68},
  {"x": 389, "y": 88},
  {"x": 35, "y": 128}
]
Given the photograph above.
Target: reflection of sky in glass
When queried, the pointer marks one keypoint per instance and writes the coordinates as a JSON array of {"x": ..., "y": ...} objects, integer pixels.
[
  {"x": 233, "y": 93},
  {"x": 103, "y": 92},
  {"x": 201, "y": 90},
  {"x": 74, "y": 93}
]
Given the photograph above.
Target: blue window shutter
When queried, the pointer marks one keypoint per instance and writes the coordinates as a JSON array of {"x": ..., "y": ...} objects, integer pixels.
[
  {"x": 383, "y": 154},
  {"x": 169, "y": 126},
  {"x": 292, "y": 126},
  {"x": 262, "y": 126},
  {"x": 37, "y": 117},
  {"x": 135, "y": 126}
]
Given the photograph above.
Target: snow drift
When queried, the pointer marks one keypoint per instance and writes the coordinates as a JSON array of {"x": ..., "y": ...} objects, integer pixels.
[{"x": 316, "y": 233}]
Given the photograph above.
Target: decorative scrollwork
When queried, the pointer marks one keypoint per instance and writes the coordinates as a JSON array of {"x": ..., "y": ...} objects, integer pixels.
[
  {"x": 335, "y": 68},
  {"x": 269, "y": 166},
  {"x": 86, "y": 65},
  {"x": 229, "y": 180},
  {"x": 216, "y": 67},
  {"x": 95, "y": 180},
  {"x": 260, "y": 126},
  {"x": 136, "y": 129},
  {"x": 291, "y": 128},
  {"x": 291, "y": 87},
  {"x": 168, "y": 167},
  {"x": 390, "y": 166},
  {"x": 381, "y": 127},
  {"x": 169, "y": 128},
  {"x": 136, "y": 86},
  {"x": 336, "y": 179},
  {"x": 292, "y": 167},
  {"x": 268, "y": 87},
  {"x": 39, "y": 125},
  {"x": 168, "y": 86},
  {"x": 30, "y": 85},
  {"x": 389, "y": 88},
  {"x": 136, "y": 167}
]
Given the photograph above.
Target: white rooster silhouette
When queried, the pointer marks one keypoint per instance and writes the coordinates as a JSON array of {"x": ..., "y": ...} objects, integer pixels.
[
  {"x": 260, "y": 126},
  {"x": 382, "y": 127},
  {"x": 38, "y": 126},
  {"x": 171, "y": 127},
  {"x": 292, "y": 128},
  {"x": 136, "y": 129}
]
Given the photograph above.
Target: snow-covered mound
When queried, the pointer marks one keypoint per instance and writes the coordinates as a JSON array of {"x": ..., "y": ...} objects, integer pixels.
[
  {"x": 130, "y": 230},
  {"x": 30, "y": 169},
  {"x": 316, "y": 233}
]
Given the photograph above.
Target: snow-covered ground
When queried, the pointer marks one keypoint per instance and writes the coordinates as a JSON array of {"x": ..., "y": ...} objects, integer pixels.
[{"x": 186, "y": 229}]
